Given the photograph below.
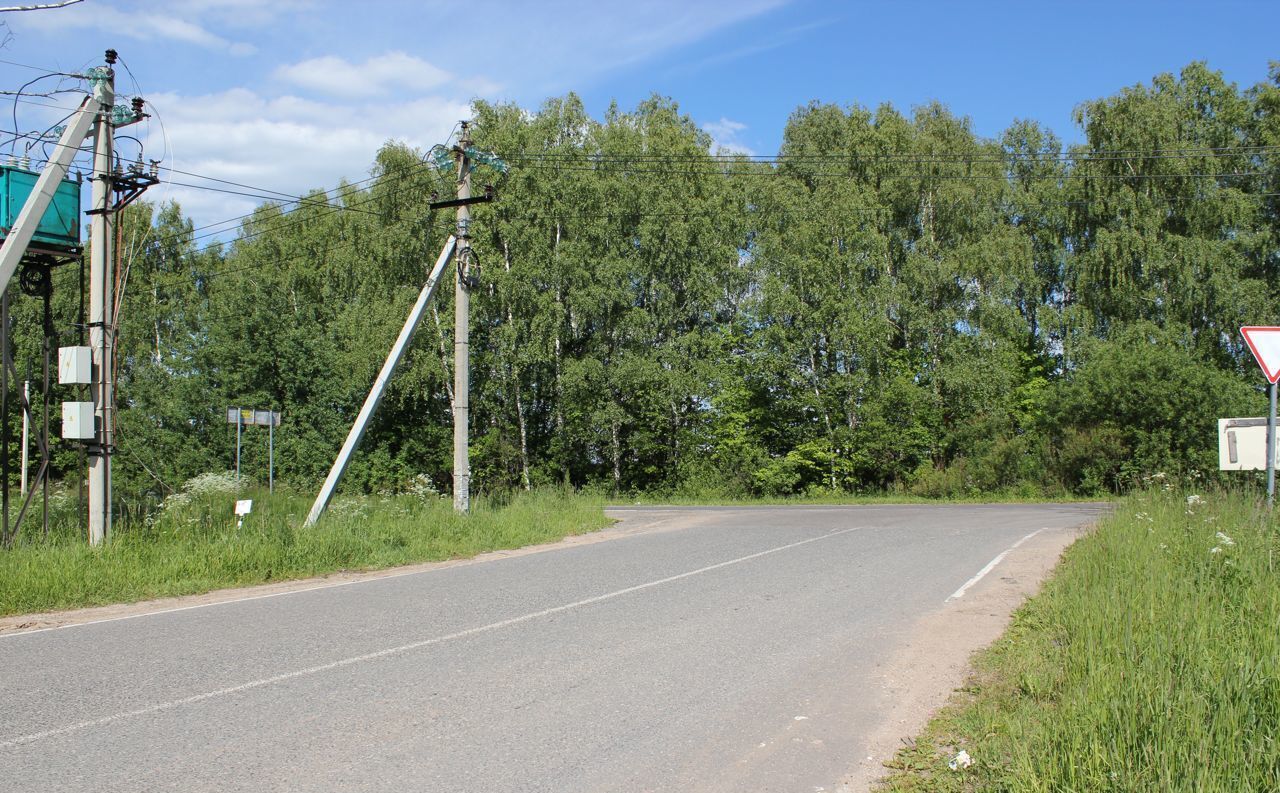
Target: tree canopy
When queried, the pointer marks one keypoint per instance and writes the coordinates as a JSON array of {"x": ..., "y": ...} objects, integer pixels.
[{"x": 892, "y": 302}]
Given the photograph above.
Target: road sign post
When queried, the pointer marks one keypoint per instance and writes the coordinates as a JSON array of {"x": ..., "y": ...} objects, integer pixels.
[
  {"x": 1264, "y": 343},
  {"x": 1271, "y": 450},
  {"x": 242, "y": 417}
]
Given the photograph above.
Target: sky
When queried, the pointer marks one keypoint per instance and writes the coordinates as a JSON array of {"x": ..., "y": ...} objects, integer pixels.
[{"x": 292, "y": 95}]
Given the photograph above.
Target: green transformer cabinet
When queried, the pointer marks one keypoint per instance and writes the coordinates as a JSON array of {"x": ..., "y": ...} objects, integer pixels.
[{"x": 60, "y": 226}]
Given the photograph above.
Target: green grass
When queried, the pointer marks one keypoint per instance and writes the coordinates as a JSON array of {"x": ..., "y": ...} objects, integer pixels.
[
  {"x": 193, "y": 544},
  {"x": 1149, "y": 662}
]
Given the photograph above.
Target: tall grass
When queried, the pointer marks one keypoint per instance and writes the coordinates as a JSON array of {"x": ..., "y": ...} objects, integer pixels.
[
  {"x": 193, "y": 544},
  {"x": 1150, "y": 662}
]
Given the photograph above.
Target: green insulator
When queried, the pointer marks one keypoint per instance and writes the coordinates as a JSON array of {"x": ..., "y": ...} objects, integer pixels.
[
  {"x": 99, "y": 74},
  {"x": 487, "y": 158},
  {"x": 123, "y": 114},
  {"x": 441, "y": 158}
]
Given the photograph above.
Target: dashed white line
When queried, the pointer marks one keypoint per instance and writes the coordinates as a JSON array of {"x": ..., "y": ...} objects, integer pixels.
[{"x": 404, "y": 648}]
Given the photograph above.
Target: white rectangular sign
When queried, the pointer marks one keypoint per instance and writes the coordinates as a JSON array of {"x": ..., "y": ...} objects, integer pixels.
[
  {"x": 248, "y": 416},
  {"x": 1242, "y": 444}
]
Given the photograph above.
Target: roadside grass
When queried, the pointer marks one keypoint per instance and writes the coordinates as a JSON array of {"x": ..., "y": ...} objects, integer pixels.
[
  {"x": 193, "y": 545},
  {"x": 1149, "y": 661}
]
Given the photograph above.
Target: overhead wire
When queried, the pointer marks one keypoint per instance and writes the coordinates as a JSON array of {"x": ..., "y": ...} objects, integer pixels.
[
  {"x": 581, "y": 163},
  {"x": 564, "y": 217},
  {"x": 943, "y": 156},
  {"x": 541, "y": 220},
  {"x": 625, "y": 164},
  {"x": 45, "y": 69}
]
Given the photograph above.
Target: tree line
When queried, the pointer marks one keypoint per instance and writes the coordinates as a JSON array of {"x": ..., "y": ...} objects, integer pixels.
[{"x": 892, "y": 302}]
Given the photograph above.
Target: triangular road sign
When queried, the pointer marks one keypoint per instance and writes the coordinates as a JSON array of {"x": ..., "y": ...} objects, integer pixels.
[{"x": 1264, "y": 341}]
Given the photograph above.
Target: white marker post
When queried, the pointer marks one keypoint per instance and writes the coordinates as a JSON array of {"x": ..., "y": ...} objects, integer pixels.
[{"x": 1264, "y": 343}]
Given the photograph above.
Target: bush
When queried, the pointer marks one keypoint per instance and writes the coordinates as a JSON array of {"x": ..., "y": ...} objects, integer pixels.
[{"x": 1141, "y": 402}]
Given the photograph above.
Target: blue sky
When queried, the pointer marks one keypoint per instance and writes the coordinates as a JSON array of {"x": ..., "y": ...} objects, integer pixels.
[{"x": 295, "y": 94}]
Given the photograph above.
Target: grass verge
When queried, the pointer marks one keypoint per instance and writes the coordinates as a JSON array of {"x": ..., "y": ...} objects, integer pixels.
[
  {"x": 193, "y": 544},
  {"x": 828, "y": 498},
  {"x": 1150, "y": 661}
]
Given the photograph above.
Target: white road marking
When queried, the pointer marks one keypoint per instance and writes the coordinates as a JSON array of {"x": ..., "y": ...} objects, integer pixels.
[
  {"x": 404, "y": 648},
  {"x": 245, "y": 599},
  {"x": 959, "y": 593}
]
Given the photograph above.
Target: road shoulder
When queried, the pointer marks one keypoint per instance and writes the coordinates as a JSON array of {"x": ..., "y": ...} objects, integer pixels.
[
  {"x": 934, "y": 659},
  {"x": 627, "y": 523}
]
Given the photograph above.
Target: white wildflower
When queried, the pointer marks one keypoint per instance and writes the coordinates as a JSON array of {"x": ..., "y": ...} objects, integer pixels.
[
  {"x": 422, "y": 487},
  {"x": 349, "y": 507},
  {"x": 1216, "y": 549},
  {"x": 1225, "y": 540},
  {"x": 1193, "y": 500},
  {"x": 961, "y": 760}
]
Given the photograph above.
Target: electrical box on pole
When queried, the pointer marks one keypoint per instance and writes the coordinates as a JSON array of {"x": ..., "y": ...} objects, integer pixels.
[
  {"x": 77, "y": 421},
  {"x": 75, "y": 365}
]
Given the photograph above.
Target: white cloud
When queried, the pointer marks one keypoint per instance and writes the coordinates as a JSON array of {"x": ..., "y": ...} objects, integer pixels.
[
  {"x": 142, "y": 25},
  {"x": 553, "y": 46},
  {"x": 724, "y": 136},
  {"x": 239, "y": 13},
  {"x": 313, "y": 97},
  {"x": 287, "y": 144},
  {"x": 333, "y": 76}
]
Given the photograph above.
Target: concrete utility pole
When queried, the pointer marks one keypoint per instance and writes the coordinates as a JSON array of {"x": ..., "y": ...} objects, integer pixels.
[
  {"x": 462, "y": 332},
  {"x": 101, "y": 295}
]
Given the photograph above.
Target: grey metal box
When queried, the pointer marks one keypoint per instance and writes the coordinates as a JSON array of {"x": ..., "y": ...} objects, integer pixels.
[
  {"x": 77, "y": 421},
  {"x": 75, "y": 365}
]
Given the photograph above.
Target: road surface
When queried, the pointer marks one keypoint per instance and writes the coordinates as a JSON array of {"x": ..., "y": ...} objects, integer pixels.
[{"x": 702, "y": 649}]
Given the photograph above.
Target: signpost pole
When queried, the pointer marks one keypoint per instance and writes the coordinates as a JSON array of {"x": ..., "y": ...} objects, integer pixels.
[
  {"x": 239, "y": 424},
  {"x": 271, "y": 450},
  {"x": 1271, "y": 450},
  {"x": 1264, "y": 343}
]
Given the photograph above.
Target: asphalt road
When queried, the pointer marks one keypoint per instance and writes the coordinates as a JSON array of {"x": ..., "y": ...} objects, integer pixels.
[{"x": 709, "y": 649}]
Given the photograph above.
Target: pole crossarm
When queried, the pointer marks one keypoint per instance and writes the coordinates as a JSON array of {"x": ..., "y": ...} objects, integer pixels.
[
  {"x": 461, "y": 202},
  {"x": 380, "y": 384}
]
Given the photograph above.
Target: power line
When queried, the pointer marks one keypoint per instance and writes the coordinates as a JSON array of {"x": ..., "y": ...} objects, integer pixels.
[
  {"x": 542, "y": 220},
  {"x": 1189, "y": 152},
  {"x": 37, "y": 68},
  {"x": 918, "y": 174}
]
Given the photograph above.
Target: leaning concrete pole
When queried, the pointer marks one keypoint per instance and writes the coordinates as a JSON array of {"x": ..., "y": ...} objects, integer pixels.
[{"x": 380, "y": 384}]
